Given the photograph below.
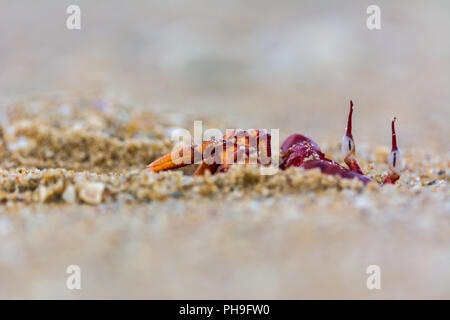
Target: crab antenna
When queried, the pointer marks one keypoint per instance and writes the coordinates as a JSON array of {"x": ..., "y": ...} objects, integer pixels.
[
  {"x": 394, "y": 137},
  {"x": 349, "y": 122}
]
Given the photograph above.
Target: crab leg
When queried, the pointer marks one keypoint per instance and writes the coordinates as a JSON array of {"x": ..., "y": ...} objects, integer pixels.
[
  {"x": 228, "y": 153},
  {"x": 210, "y": 164},
  {"x": 203, "y": 167}
]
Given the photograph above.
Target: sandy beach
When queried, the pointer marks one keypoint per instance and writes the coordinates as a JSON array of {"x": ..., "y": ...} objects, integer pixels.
[{"x": 83, "y": 112}]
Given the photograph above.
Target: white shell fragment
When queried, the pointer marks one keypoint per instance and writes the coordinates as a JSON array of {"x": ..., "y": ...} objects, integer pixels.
[
  {"x": 92, "y": 192},
  {"x": 44, "y": 194},
  {"x": 70, "y": 194}
]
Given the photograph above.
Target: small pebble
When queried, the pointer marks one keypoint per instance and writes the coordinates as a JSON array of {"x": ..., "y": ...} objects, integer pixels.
[{"x": 92, "y": 192}]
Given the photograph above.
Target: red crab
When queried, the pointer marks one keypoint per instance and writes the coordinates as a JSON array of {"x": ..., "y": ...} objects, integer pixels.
[{"x": 297, "y": 150}]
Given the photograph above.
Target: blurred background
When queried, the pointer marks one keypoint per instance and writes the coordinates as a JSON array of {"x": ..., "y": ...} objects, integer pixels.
[{"x": 291, "y": 65}]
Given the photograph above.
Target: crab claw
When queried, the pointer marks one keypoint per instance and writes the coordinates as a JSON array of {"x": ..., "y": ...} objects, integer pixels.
[
  {"x": 182, "y": 157},
  {"x": 234, "y": 147},
  {"x": 178, "y": 158},
  {"x": 333, "y": 168}
]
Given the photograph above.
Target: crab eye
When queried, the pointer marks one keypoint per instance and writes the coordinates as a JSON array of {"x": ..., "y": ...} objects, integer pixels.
[
  {"x": 395, "y": 161},
  {"x": 348, "y": 145}
]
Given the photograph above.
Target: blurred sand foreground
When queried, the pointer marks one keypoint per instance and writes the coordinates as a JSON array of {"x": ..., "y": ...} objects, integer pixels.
[{"x": 96, "y": 105}]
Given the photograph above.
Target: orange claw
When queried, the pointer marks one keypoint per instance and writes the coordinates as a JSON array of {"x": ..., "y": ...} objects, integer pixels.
[
  {"x": 183, "y": 157},
  {"x": 179, "y": 158},
  {"x": 229, "y": 152},
  {"x": 173, "y": 160}
]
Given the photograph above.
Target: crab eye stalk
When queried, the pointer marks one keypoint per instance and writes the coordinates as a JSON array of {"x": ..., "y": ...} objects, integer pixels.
[
  {"x": 348, "y": 145},
  {"x": 394, "y": 136},
  {"x": 395, "y": 162},
  {"x": 395, "y": 159},
  {"x": 349, "y": 121}
]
